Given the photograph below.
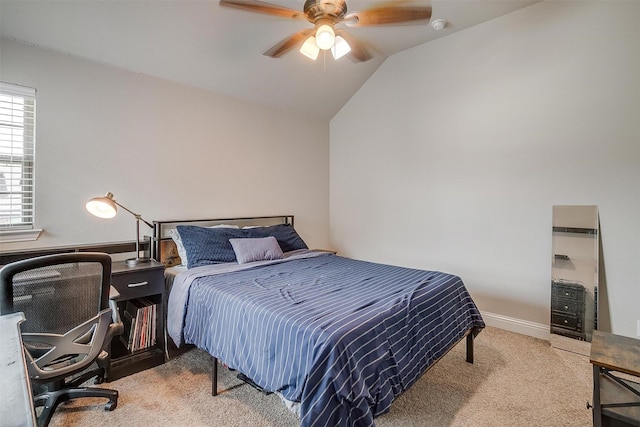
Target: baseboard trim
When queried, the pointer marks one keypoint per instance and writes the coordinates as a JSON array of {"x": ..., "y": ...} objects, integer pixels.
[
  {"x": 570, "y": 344},
  {"x": 536, "y": 330}
]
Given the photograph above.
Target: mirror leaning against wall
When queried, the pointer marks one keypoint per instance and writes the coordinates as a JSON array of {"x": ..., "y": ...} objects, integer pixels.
[{"x": 574, "y": 276}]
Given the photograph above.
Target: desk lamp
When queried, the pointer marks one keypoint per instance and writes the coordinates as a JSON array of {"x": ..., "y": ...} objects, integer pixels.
[{"x": 106, "y": 207}]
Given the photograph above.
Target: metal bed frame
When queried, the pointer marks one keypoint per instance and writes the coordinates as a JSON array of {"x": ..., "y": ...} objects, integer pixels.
[
  {"x": 161, "y": 234},
  {"x": 161, "y": 228}
]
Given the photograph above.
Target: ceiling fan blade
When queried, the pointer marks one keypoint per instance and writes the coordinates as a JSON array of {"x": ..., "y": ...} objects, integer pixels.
[
  {"x": 262, "y": 7},
  {"x": 358, "y": 52},
  {"x": 388, "y": 15},
  {"x": 287, "y": 44}
]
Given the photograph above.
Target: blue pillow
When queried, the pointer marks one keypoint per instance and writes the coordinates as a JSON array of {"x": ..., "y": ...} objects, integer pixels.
[
  {"x": 209, "y": 245},
  {"x": 286, "y": 235},
  {"x": 256, "y": 249}
]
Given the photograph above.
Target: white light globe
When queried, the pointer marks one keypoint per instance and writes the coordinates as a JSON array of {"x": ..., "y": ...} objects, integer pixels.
[{"x": 325, "y": 37}]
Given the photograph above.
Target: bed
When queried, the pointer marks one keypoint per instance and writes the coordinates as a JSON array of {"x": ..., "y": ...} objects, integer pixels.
[{"x": 337, "y": 339}]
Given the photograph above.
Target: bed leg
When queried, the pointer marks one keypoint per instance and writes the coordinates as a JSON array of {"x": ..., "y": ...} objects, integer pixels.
[
  {"x": 214, "y": 376},
  {"x": 470, "y": 347}
]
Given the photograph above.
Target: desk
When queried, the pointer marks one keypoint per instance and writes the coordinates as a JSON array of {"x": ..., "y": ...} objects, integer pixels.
[
  {"x": 616, "y": 400},
  {"x": 15, "y": 394}
]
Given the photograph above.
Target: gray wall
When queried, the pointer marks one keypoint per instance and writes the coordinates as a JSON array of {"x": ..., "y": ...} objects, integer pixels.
[
  {"x": 453, "y": 153},
  {"x": 167, "y": 151}
]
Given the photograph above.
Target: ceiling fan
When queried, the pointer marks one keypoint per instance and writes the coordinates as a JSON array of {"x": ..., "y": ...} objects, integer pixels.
[{"x": 325, "y": 15}]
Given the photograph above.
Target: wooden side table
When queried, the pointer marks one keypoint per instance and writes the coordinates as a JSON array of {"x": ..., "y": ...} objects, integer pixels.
[{"x": 616, "y": 400}]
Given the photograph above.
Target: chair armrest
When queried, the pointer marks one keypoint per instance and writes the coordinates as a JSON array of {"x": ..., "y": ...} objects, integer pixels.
[
  {"x": 117, "y": 327},
  {"x": 113, "y": 293}
]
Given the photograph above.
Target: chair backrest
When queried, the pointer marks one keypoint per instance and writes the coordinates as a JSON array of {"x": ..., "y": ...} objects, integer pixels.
[{"x": 58, "y": 294}]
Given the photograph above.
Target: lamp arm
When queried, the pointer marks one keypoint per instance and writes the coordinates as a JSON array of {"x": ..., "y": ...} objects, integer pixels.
[{"x": 138, "y": 217}]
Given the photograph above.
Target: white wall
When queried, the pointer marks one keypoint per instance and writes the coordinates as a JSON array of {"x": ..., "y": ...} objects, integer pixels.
[
  {"x": 453, "y": 153},
  {"x": 167, "y": 151}
]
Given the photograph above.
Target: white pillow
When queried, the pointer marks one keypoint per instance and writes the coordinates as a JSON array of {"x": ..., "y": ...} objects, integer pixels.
[
  {"x": 173, "y": 233},
  {"x": 179, "y": 246},
  {"x": 256, "y": 249}
]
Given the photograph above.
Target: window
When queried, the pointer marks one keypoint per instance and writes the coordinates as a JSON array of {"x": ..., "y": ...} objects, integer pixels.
[{"x": 17, "y": 150}]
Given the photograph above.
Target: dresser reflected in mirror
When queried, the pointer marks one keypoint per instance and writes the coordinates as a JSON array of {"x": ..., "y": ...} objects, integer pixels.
[{"x": 574, "y": 276}]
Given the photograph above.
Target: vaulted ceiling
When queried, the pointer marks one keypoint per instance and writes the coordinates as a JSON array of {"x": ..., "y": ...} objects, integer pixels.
[{"x": 200, "y": 43}]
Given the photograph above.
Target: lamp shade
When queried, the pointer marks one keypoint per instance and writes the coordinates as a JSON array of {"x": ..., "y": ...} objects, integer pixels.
[
  {"x": 325, "y": 37},
  {"x": 309, "y": 48},
  {"x": 340, "y": 48},
  {"x": 102, "y": 207}
]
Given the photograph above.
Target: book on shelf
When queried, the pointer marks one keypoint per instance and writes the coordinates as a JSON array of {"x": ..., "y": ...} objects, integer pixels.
[
  {"x": 129, "y": 322},
  {"x": 140, "y": 319}
]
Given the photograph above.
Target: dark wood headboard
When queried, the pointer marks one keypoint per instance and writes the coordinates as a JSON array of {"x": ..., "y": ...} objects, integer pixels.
[{"x": 164, "y": 249}]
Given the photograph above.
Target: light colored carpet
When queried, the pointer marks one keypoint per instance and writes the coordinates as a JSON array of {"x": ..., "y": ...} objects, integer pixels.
[{"x": 515, "y": 381}]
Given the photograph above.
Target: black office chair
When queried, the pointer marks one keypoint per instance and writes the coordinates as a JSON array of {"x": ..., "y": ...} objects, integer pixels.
[{"x": 70, "y": 321}]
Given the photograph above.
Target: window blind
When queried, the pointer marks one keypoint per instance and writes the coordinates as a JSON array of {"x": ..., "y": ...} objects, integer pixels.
[{"x": 17, "y": 156}]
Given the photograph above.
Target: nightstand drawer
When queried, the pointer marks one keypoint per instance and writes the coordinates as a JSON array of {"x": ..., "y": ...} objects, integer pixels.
[
  {"x": 574, "y": 292},
  {"x": 565, "y": 320},
  {"x": 567, "y": 305},
  {"x": 137, "y": 284}
]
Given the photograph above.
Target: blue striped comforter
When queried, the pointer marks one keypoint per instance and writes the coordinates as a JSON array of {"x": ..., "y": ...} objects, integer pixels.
[{"x": 342, "y": 337}]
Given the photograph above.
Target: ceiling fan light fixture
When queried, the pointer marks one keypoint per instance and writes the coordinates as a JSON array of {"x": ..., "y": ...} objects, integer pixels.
[
  {"x": 325, "y": 37},
  {"x": 340, "y": 48},
  {"x": 310, "y": 49},
  {"x": 328, "y": 17}
]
